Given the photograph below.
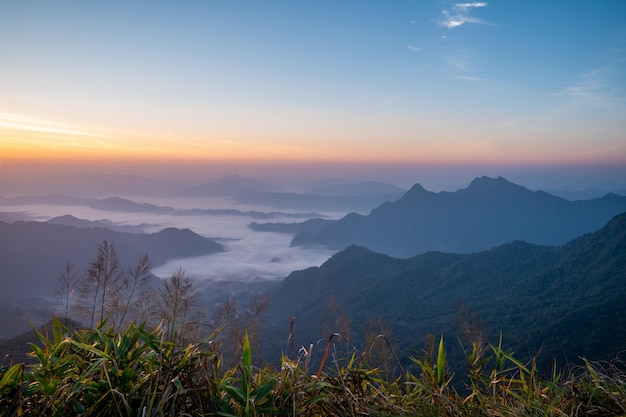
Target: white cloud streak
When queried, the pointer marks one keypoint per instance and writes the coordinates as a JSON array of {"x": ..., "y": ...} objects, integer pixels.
[
  {"x": 22, "y": 122},
  {"x": 459, "y": 14}
]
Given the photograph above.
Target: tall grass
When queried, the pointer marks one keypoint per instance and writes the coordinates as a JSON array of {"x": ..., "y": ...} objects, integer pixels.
[{"x": 140, "y": 372}]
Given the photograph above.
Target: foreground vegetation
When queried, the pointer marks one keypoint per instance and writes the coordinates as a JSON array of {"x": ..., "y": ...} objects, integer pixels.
[{"x": 141, "y": 372}]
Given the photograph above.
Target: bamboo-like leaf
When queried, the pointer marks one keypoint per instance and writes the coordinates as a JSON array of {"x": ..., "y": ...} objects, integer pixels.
[
  {"x": 13, "y": 376},
  {"x": 235, "y": 393},
  {"x": 57, "y": 331},
  {"x": 264, "y": 390},
  {"x": 523, "y": 369},
  {"x": 247, "y": 357},
  {"x": 91, "y": 349},
  {"x": 247, "y": 372},
  {"x": 38, "y": 352},
  {"x": 441, "y": 362}
]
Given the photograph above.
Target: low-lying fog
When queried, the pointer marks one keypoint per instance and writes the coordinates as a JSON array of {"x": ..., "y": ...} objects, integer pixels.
[{"x": 249, "y": 255}]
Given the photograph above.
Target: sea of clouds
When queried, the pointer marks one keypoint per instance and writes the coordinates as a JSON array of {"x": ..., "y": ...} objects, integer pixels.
[{"x": 249, "y": 256}]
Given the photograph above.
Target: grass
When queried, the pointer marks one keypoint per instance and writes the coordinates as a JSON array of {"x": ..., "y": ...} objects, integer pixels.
[{"x": 139, "y": 372}]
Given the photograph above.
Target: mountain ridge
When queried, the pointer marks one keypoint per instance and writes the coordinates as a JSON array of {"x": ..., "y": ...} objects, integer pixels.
[
  {"x": 566, "y": 301},
  {"x": 487, "y": 213},
  {"x": 33, "y": 254}
]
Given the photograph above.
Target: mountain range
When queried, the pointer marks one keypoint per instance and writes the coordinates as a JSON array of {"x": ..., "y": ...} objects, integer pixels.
[
  {"x": 33, "y": 254},
  {"x": 69, "y": 220},
  {"x": 489, "y": 212},
  {"x": 298, "y": 201},
  {"x": 565, "y": 301},
  {"x": 546, "y": 272},
  {"x": 119, "y": 204}
]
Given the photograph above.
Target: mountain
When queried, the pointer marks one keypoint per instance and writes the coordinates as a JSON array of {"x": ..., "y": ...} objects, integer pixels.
[
  {"x": 489, "y": 212},
  {"x": 106, "y": 204},
  {"x": 297, "y": 201},
  {"x": 12, "y": 216},
  {"x": 569, "y": 193},
  {"x": 229, "y": 186},
  {"x": 357, "y": 189},
  {"x": 33, "y": 254},
  {"x": 566, "y": 301},
  {"x": 69, "y": 220},
  {"x": 17, "y": 316},
  {"x": 126, "y": 205},
  {"x": 309, "y": 226}
]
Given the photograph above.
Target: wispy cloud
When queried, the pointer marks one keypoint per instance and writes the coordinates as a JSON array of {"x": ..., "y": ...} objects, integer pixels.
[
  {"x": 458, "y": 61},
  {"x": 414, "y": 48},
  {"x": 27, "y": 123},
  {"x": 459, "y": 14},
  {"x": 594, "y": 89}
]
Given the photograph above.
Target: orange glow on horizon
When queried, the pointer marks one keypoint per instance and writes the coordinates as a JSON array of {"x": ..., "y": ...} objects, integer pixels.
[
  {"x": 56, "y": 143},
  {"x": 56, "y": 156}
]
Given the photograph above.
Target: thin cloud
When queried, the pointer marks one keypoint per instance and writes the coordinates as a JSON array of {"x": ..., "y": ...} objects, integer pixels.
[
  {"x": 467, "y": 6},
  {"x": 459, "y": 61},
  {"x": 32, "y": 124},
  {"x": 593, "y": 89},
  {"x": 414, "y": 48},
  {"x": 459, "y": 15}
]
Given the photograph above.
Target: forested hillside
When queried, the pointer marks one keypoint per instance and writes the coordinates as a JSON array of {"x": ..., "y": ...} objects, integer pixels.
[{"x": 566, "y": 301}]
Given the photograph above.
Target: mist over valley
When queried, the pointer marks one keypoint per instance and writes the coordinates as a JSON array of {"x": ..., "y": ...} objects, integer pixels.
[{"x": 234, "y": 249}]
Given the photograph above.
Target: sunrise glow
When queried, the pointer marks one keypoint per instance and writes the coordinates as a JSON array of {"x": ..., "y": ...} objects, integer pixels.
[{"x": 405, "y": 82}]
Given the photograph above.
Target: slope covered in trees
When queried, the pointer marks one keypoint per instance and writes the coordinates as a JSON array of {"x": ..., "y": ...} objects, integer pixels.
[{"x": 566, "y": 301}]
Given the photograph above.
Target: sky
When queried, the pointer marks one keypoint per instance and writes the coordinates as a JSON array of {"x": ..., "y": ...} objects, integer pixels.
[{"x": 376, "y": 85}]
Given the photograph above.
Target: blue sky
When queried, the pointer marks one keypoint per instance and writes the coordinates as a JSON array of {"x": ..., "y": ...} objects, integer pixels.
[{"x": 388, "y": 81}]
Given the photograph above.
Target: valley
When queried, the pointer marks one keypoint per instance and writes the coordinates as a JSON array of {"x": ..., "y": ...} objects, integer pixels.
[{"x": 477, "y": 250}]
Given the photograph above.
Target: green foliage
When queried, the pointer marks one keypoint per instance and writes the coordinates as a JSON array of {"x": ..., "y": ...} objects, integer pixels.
[{"x": 140, "y": 372}]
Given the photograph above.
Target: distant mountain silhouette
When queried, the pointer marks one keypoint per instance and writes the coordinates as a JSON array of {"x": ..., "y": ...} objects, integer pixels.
[
  {"x": 567, "y": 301},
  {"x": 309, "y": 226},
  {"x": 296, "y": 201},
  {"x": 229, "y": 186},
  {"x": 489, "y": 212},
  {"x": 123, "y": 204},
  {"x": 107, "y": 203},
  {"x": 33, "y": 254},
  {"x": 357, "y": 189},
  {"x": 69, "y": 220},
  {"x": 12, "y": 216}
]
